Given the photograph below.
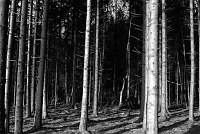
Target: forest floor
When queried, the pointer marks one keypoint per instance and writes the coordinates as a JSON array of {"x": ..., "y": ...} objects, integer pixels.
[{"x": 62, "y": 120}]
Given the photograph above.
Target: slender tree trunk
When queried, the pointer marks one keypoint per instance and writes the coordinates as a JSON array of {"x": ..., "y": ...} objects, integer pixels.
[
  {"x": 160, "y": 65},
  {"x": 84, "y": 114},
  {"x": 44, "y": 105},
  {"x": 192, "y": 81},
  {"x": 96, "y": 80},
  {"x": 56, "y": 82},
  {"x": 8, "y": 63},
  {"x": 164, "y": 61},
  {"x": 20, "y": 72},
  {"x": 177, "y": 82},
  {"x": 152, "y": 96},
  {"x": 145, "y": 64},
  {"x": 3, "y": 43},
  {"x": 33, "y": 74},
  {"x": 39, "y": 93},
  {"x": 75, "y": 32},
  {"x": 199, "y": 47},
  {"x": 129, "y": 54},
  {"x": 66, "y": 79},
  {"x": 28, "y": 70}
]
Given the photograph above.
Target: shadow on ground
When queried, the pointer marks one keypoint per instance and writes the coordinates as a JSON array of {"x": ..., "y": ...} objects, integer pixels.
[{"x": 175, "y": 125}]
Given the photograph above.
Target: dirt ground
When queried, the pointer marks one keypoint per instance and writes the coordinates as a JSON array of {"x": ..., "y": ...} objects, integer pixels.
[{"x": 62, "y": 120}]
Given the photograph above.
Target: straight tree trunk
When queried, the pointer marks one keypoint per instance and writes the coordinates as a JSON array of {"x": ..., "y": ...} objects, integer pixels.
[
  {"x": 143, "y": 110},
  {"x": 192, "y": 81},
  {"x": 44, "y": 105},
  {"x": 160, "y": 65},
  {"x": 164, "y": 61},
  {"x": 152, "y": 96},
  {"x": 96, "y": 80},
  {"x": 39, "y": 93},
  {"x": 129, "y": 54},
  {"x": 28, "y": 70},
  {"x": 56, "y": 82},
  {"x": 84, "y": 107},
  {"x": 74, "y": 38},
  {"x": 8, "y": 63},
  {"x": 3, "y": 43},
  {"x": 20, "y": 71},
  {"x": 33, "y": 74},
  {"x": 199, "y": 47}
]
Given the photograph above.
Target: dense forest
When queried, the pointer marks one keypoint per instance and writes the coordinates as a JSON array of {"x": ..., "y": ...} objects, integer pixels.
[{"x": 100, "y": 66}]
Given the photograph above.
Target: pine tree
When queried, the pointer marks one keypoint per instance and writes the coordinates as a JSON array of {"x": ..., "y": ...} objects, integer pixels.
[
  {"x": 39, "y": 93},
  {"x": 8, "y": 62},
  {"x": 152, "y": 91},
  {"x": 96, "y": 80},
  {"x": 20, "y": 70},
  {"x": 192, "y": 76},
  {"x": 84, "y": 106},
  {"x": 3, "y": 44}
]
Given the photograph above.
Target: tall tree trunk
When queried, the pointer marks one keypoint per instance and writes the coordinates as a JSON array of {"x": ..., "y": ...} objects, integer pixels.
[
  {"x": 129, "y": 54},
  {"x": 152, "y": 98},
  {"x": 56, "y": 82},
  {"x": 28, "y": 70},
  {"x": 96, "y": 80},
  {"x": 8, "y": 63},
  {"x": 75, "y": 30},
  {"x": 44, "y": 105},
  {"x": 3, "y": 43},
  {"x": 84, "y": 107},
  {"x": 33, "y": 74},
  {"x": 145, "y": 64},
  {"x": 20, "y": 72},
  {"x": 39, "y": 93},
  {"x": 192, "y": 81},
  {"x": 164, "y": 61},
  {"x": 199, "y": 46}
]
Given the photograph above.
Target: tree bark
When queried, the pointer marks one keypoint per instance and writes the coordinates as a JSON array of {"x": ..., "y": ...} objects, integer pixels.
[
  {"x": 8, "y": 63},
  {"x": 39, "y": 93},
  {"x": 3, "y": 43},
  {"x": 20, "y": 72},
  {"x": 75, "y": 32},
  {"x": 84, "y": 114},
  {"x": 96, "y": 80},
  {"x": 129, "y": 54},
  {"x": 56, "y": 82},
  {"x": 152, "y": 98},
  {"x": 199, "y": 47},
  {"x": 33, "y": 74},
  {"x": 28, "y": 70},
  {"x": 164, "y": 61},
  {"x": 192, "y": 76},
  {"x": 143, "y": 110}
]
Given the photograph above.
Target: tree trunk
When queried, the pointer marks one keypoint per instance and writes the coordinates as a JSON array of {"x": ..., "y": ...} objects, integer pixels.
[
  {"x": 74, "y": 32},
  {"x": 96, "y": 80},
  {"x": 84, "y": 114},
  {"x": 33, "y": 74},
  {"x": 39, "y": 93},
  {"x": 8, "y": 63},
  {"x": 129, "y": 54},
  {"x": 145, "y": 64},
  {"x": 152, "y": 98},
  {"x": 20, "y": 72},
  {"x": 199, "y": 47},
  {"x": 44, "y": 105},
  {"x": 164, "y": 61},
  {"x": 3, "y": 43},
  {"x": 192, "y": 81},
  {"x": 56, "y": 82},
  {"x": 28, "y": 70}
]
